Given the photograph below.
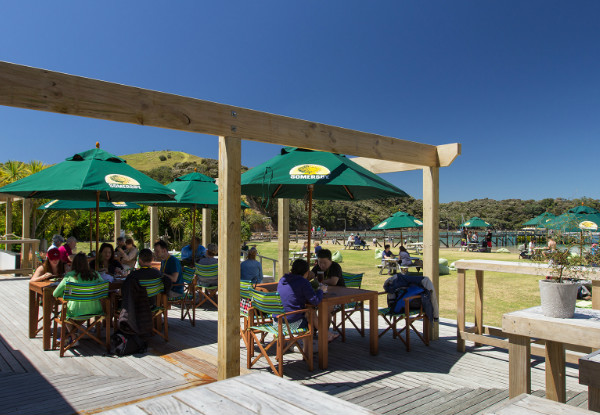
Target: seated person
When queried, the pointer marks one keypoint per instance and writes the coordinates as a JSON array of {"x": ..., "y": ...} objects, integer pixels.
[
  {"x": 406, "y": 261},
  {"x": 251, "y": 269},
  {"x": 52, "y": 267},
  {"x": 531, "y": 247},
  {"x": 169, "y": 267},
  {"x": 318, "y": 247},
  {"x": 331, "y": 271},
  {"x": 296, "y": 292},
  {"x": 211, "y": 252},
  {"x": 66, "y": 250},
  {"x": 357, "y": 241},
  {"x": 57, "y": 241},
  {"x": 305, "y": 246},
  {"x": 144, "y": 272},
  {"x": 127, "y": 255},
  {"x": 387, "y": 253},
  {"x": 80, "y": 273},
  {"x": 350, "y": 239},
  {"x": 107, "y": 263},
  {"x": 186, "y": 252}
]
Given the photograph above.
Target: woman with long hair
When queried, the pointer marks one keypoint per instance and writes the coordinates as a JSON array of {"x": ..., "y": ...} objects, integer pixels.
[
  {"x": 108, "y": 264},
  {"x": 80, "y": 273},
  {"x": 51, "y": 267}
]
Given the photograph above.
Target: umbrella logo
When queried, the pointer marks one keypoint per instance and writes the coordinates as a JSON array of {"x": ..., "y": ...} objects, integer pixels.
[
  {"x": 418, "y": 222},
  {"x": 51, "y": 203},
  {"x": 119, "y": 204},
  {"x": 382, "y": 224},
  {"x": 120, "y": 181},
  {"x": 309, "y": 171},
  {"x": 588, "y": 225}
]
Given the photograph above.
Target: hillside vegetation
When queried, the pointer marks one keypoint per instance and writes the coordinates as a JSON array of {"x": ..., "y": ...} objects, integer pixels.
[{"x": 152, "y": 159}]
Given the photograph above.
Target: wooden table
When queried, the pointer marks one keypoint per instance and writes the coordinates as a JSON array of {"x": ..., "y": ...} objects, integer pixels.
[
  {"x": 481, "y": 333},
  {"x": 583, "y": 330},
  {"x": 589, "y": 374},
  {"x": 532, "y": 405},
  {"x": 255, "y": 393},
  {"x": 43, "y": 289},
  {"x": 343, "y": 295}
]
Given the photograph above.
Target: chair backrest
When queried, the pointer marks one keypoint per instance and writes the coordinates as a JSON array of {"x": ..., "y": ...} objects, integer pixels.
[
  {"x": 153, "y": 287},
  {"x": 352, "y": 280},
  {"x": 267, "y": 302},
  {"x": 75, "y": 291},
  {"x": 246, "y": 289},
  {"x": 207, "y": 271},
  {"x": 188, "y": 274}
]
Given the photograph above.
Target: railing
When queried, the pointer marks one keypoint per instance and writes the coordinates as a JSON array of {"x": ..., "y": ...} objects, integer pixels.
[{"x": 269, "y": 259}]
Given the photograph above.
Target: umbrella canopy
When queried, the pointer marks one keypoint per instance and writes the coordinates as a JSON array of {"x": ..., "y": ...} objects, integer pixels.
[
  {"x": 87, "y": 205},
  {"x": 570, "y": 221},
  {"x": 399, "y": 220},
  {"x": 334, "y": 177},
  {"x": 194, "y": 189},
  {"x": 475, "y": 222},
  {"x": 81, "y": 176},
  {"x": 297, "y": 173},
  {"x": 540, "y": 220}
]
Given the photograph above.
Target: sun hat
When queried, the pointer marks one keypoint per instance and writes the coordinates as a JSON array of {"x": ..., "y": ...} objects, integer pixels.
[{"x": 53, "y": 254}]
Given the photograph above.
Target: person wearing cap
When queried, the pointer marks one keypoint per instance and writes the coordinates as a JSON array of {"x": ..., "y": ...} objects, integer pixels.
[
  {"x": 57, "y": 240},
  {"x": 66, "y": 250},
  {"x": 251, "y": 269},
  {"x": 52, "y": 267}
]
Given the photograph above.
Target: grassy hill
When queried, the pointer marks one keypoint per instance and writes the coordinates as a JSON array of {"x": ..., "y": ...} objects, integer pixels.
[{"x": 152, "y": 159}]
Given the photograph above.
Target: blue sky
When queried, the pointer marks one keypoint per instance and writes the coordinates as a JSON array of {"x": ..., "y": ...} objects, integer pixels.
[{"x": 516, "y": 82}]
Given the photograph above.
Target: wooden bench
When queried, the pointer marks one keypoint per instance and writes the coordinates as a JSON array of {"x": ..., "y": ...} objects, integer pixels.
[
  {"x": 532, "y": 405},
  {"x": 589, "y": 374}
]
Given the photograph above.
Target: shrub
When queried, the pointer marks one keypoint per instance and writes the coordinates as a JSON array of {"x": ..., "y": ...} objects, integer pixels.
[{"x": 162, "y": 158}]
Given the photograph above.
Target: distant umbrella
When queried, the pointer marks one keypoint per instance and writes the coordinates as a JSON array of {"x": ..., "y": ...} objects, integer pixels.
[
  {"x": 475, "y": 222},
  {"x": 540, "y": 220}
]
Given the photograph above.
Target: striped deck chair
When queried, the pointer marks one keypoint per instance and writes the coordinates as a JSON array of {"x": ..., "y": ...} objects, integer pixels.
[
  {"x": 187, "y": 301},
  {"x": 267, "y": 316},
  {"x": 345, "y": 313},
  {"x": 414, "y": 314},
  {"x": 207, "y": 283},
  {"x": 160, "y": 320},
  {"x": 245, "y": 305},
  {"x": 82, "y": 292}
]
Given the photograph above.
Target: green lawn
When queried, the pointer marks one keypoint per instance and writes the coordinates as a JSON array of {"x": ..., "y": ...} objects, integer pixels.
[{"x": 502, "y": 292}]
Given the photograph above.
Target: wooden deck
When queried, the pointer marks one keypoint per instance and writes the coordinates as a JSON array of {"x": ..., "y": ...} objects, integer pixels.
[{"x": 435, "y": 379}]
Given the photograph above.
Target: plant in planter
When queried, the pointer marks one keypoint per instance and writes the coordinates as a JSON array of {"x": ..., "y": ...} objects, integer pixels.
[{"x": 558, "y": 292}]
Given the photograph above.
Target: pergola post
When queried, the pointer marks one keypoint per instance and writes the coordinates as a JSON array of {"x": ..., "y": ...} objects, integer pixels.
[
  {"x": 230, "y": 151},
  {"x": 153, "y": 225},
  {"x": 117, "y": 225},
  {"x": 283, "y": 236},
  {"x": 431, "y": 231},
  {"x": 9, "y": 216},
  {"x": 26, "y": 233},
  {"x": 206, "y": 226}
]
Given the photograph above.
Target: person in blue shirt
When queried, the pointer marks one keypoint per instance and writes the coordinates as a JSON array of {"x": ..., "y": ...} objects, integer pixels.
[
  {"x": 295, "y": 292},
  {"x": 186, "y": 252},
  {"x": 170, "y": 267},
  {"x": 251, "y": 269}
]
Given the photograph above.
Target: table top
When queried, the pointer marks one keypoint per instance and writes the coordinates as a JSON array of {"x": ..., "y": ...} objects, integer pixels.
[
  {"x": 528, "y": 268},
  {"x": 254, "y": 394},
  {"x": 583, "y": 329}
]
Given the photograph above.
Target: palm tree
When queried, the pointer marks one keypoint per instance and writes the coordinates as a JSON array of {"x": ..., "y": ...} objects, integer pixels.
[
  {"x": 35, "y": 166},
  {"x": 11, "y": 171}
]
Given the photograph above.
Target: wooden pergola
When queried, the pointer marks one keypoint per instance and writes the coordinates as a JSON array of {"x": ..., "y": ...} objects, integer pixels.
[{"x": 43, "y": 90}]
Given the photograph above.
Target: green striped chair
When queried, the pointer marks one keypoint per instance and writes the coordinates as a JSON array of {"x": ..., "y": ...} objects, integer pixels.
[
  {"x": 160, "y": 320},
  {"x": 82, "y": 292},
  {"x": 207, "y": 284},
  {"x": 392, "y": 319},
  {"x": 245, "y": 305},
  {"x": 268, "y": 317},
  {"x": 187, "y": 301},
  {"x": 346, "y": 311}
]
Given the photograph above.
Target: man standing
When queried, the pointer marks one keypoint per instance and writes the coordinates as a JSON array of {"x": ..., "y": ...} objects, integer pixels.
[{"x": 170, "y": 267}]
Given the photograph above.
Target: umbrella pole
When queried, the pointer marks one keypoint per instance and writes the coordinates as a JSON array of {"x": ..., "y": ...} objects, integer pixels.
[
  {"x": 97, "y": 227},
  {"x": 310, "y": 193},
  {"x": 194, "y": 234},
  {"x": 91, "y": 231}
]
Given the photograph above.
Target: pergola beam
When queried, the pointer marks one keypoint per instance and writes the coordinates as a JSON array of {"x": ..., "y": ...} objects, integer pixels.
[
  {"x": 446, "y": 154},
  {"x": 39, "y": 89}
]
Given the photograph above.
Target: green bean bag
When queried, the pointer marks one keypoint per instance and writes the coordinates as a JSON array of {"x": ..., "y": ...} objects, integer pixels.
[
  {"x": 444, "y": 270},
  {"x": 443, "y": 261},
  {"x": 378, "y": 253},
  {"x": 337, "y": 257}
]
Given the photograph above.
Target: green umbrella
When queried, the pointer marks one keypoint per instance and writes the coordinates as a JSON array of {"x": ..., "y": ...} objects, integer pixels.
[
  {"x": 91, "y": 175},
  {"x": 398, "y": 220},
  {"x": 297, "y": 173},
  {"x": 540, "y": 220},
  {"x": 475, "y": 222},
  {"x": 192, "y": 190},
  {"x": 87, "y": 205},
  {"x": 569, "y": 221}
]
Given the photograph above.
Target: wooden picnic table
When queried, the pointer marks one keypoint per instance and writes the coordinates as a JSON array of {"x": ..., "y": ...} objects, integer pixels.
[
  {"x": 582, "y": 330},
  {"x": 481, "y": 334},
  {"x": 254, "y": 393},
  {"x": 340, "y": 295}
]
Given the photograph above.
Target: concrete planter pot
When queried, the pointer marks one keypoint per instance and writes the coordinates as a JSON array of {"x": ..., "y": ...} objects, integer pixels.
[{"x": 558, "y": 299}]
